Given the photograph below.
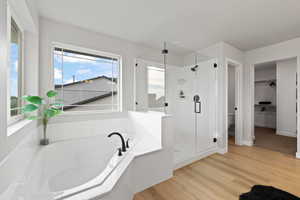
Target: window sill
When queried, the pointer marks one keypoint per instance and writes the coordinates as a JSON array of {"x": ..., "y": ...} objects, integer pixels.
[
  {"x": 86, "y": 115},
  {"x": 94, "y": 112},
  {"x": 12, "y": 129}
]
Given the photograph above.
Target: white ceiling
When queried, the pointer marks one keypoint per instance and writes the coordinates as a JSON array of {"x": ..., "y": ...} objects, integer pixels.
[{"x": 190, "y": 24}]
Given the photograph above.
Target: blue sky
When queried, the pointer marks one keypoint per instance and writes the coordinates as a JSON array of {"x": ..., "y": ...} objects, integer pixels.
[
  {"x": 82, "y": 67},
  {"x": 14, "y": 57}
]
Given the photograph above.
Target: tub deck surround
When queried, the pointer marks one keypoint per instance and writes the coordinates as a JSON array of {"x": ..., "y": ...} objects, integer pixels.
[
  {"x": 67, "y": 171},
  {"x": 15, "y": 165},
  {"x": 89, "y": 167},
  {"x": 147, "y": 144}
]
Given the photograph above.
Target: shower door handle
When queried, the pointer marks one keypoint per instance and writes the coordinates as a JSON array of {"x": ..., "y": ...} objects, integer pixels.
[
  {"x": 197, "y": 107},
  {"x": 197, "y": 104}
]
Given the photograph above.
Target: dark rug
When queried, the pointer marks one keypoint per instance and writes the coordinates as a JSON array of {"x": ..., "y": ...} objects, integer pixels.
[{"x": 260, "y": 192}]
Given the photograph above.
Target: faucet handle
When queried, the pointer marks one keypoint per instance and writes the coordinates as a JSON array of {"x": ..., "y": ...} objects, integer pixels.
[
  {"x": 119, "y": 151},
  {"x": 127, "y": 143}
]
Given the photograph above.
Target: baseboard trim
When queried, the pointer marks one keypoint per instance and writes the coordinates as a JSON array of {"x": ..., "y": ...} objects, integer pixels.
[
  {"x": 298, "y": 155},
  {"x": 286, "y": 133},
  {"x": 196, "y": 158},
  {"x": 222, "y": 151},
  {"x": 248, "y": 143}
]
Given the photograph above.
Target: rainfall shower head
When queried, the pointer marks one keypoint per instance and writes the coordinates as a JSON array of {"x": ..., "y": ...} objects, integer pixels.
[{"x": 194, "y": 68}]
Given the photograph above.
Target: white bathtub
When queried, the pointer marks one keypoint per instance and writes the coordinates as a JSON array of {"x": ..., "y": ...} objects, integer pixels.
[
  {"x": 64, "y": 169},
  {"x": 81, "y": 162}
]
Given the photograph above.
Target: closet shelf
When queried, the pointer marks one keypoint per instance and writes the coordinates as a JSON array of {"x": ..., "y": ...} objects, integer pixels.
[
  {"x": 265, "y": 105},
  {"x": 265, "y": 81}
]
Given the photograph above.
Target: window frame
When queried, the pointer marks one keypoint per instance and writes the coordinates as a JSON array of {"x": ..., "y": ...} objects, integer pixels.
[
  {"x": 11, "y": 14},
  {"x": 95, "y": 52}
]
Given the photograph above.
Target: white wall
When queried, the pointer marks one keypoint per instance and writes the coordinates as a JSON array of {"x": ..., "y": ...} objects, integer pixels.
[
  {"x": 24, "y": 133},
  {"x": 3, "y": 74},
  {"x": 262, "y": 74},
  {"x": 28, "y": 14},
  {"x": 286, "y": 90},
  {"x": 51, "y": 31}
]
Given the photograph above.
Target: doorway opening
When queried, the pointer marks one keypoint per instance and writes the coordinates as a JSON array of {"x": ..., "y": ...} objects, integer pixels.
[
  {"x": 275, "y": 105},
  {"x": 233, "y": 102}
]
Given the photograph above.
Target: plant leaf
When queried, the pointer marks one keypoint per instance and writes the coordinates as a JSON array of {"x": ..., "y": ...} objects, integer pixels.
[
  {"x": 24, "y": 97},
  {"x": 51, "y": 93},
  {"x": 50, "y": 113},
  {"x": 33, "y": 99},
  {"x": 57, "y": 104},
  {"x": 29, "y": 108},
  {"x": 57, "y": 112},
  {"x": 32, "y": 118}
]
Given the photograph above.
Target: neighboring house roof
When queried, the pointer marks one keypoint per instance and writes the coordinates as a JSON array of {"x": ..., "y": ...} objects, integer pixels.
[
  {"x": 87, "y": 101},
  {"x": 87, "y": 91},
  {"x": 80, "y": 82}
]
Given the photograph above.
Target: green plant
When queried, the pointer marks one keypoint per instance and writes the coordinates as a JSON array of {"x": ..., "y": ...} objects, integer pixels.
[{"x": 38, "y": 108}]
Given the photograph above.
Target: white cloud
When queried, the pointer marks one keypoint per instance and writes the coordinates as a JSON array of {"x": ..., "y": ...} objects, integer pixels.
[
  {"x": 57, "y": 73},
  {"x": 83, "y": 71},
  {"x": 69, "y": 81},
  {"x": 77, "y": 60}
]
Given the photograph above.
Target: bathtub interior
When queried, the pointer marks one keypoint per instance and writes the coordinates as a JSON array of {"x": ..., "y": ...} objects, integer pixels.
[{"x": 67, "y": 164}]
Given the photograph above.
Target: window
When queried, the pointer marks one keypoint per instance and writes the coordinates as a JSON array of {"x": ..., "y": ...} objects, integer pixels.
[
  {"x": 156, "y": 88},
  {"x": 15, "y": 81},
  {"x": 86, "y": 80}
]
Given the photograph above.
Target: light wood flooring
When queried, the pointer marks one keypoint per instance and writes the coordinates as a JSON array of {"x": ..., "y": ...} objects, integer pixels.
[
  {"x": 267, "y": 138},
  {"x": 219, "y": 177}
]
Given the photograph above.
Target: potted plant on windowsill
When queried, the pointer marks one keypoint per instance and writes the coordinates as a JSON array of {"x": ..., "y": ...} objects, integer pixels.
[{"x": 38, "y": 108}]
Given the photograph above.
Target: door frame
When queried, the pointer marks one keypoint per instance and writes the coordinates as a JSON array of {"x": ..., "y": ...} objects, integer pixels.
[
  {"x": 252, "y": 96},
  {"x": 238, "y": 101}
]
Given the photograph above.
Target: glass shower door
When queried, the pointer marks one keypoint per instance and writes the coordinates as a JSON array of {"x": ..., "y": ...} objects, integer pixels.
[
  {"x": 195, "y": 111},
  {"x": 184, "y": 115}
]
